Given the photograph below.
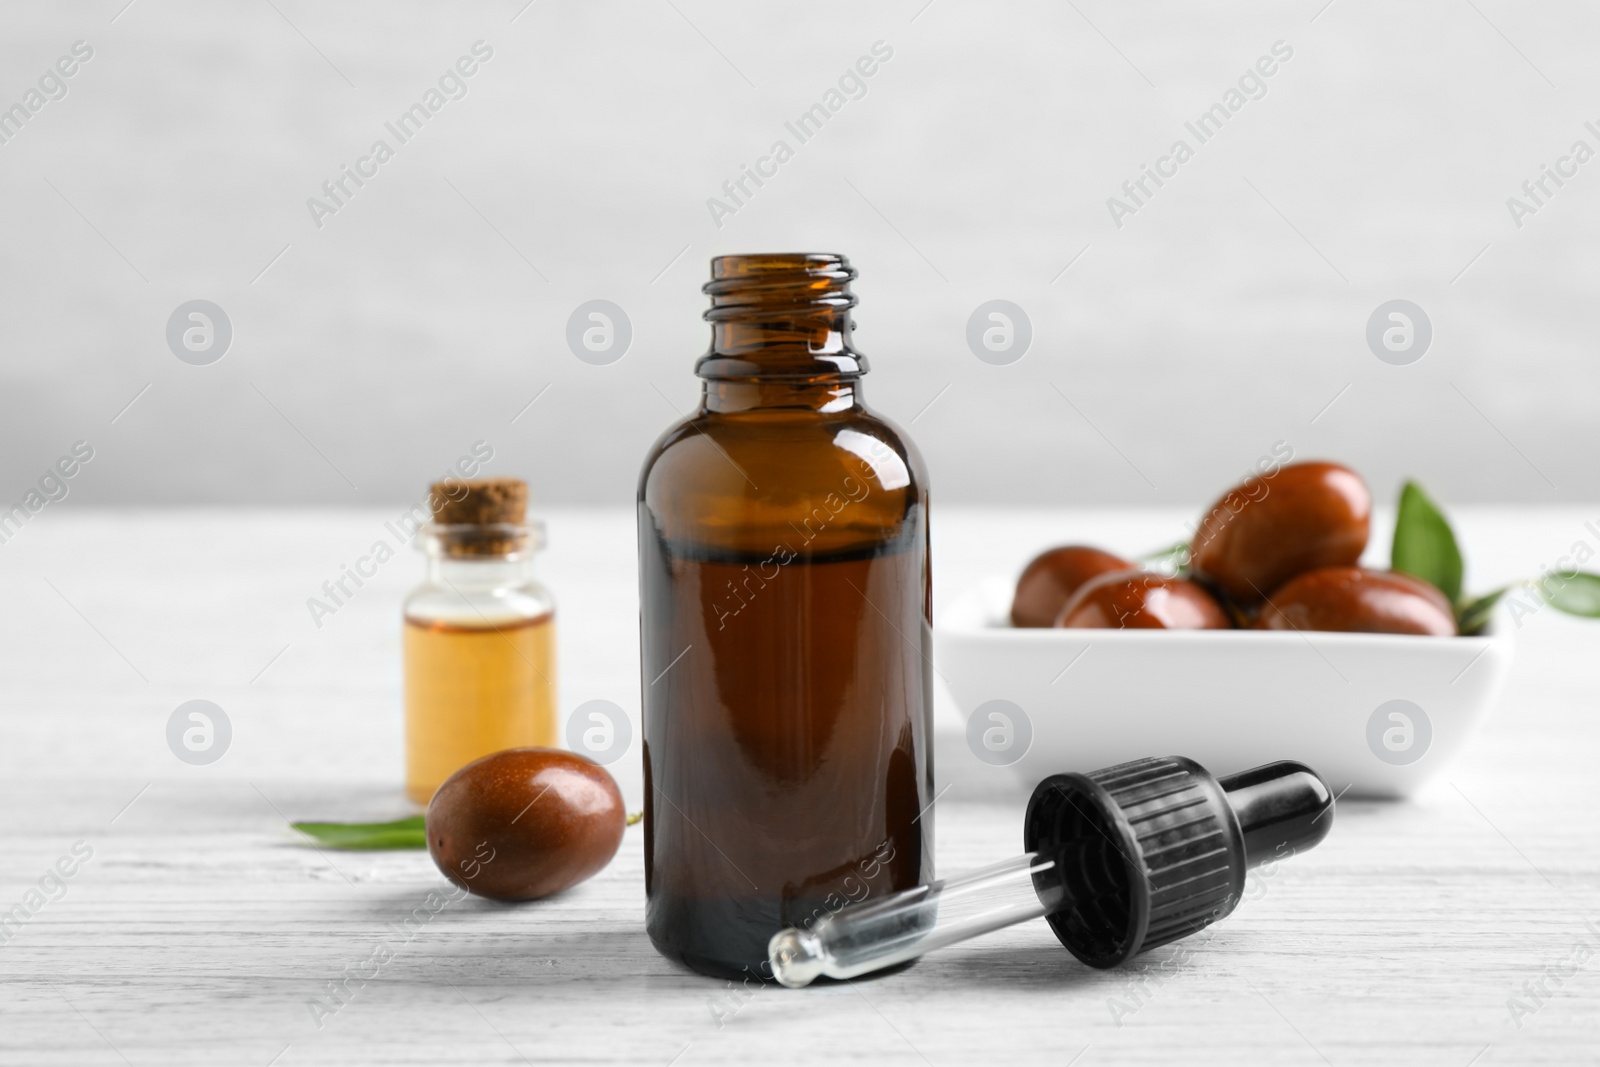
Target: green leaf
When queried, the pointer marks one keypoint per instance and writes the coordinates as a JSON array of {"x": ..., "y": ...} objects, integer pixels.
[
  {"x": 1424, "y": 545},
  {"x": 1575, "y": 594},
  {"x": 1173, "y": 560},
  {"x": 402, "y": 833},
  {"x": 1179, "y": 549},
  {"x": 1474, "y": 616}
]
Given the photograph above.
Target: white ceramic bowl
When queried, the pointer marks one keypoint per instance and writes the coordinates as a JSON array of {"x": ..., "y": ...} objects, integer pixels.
[{"x": 1378, "y": 713}]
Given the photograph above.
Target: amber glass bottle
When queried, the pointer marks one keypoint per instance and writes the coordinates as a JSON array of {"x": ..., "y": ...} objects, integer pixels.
[{"x": 785, "y": 612}]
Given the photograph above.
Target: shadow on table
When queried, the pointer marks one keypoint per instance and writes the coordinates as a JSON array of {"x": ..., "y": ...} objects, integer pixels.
[
  {"x": 469, "y": 938},
  {"x": 479, "y": 941},
  {"x": 1046, "y": 965}
]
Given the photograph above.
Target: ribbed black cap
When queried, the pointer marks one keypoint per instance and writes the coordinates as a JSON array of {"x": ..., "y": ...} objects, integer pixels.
[{"x": 1148, "y": 852}]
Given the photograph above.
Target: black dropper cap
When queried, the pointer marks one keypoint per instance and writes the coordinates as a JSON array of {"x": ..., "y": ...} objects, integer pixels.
[{"x": 1157, "y": 849}]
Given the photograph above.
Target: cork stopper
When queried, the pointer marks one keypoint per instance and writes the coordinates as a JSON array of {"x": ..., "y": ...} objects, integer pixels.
[
  {"x": 496, "y": 504},
  {"x": 479, "y": 501}
]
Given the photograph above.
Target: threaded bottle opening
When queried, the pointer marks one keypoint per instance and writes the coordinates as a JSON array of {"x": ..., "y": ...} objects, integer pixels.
[
  {"x": 748, "y": 285},
  {"x": 781, "y": 317}
]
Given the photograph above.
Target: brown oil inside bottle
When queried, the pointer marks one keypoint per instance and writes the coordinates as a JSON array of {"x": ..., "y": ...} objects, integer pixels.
[{"x": 786, "y": 675}]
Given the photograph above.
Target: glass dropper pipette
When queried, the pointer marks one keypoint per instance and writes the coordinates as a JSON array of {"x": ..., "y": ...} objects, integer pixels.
[{"x": 1120, "y": 860}]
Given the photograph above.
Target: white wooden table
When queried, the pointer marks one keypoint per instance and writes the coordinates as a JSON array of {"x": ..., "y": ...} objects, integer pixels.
[{"x": 200, "y": 932}]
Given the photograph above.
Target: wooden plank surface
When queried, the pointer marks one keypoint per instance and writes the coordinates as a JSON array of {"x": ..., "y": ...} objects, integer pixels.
[{"x": 199, "y": 932}]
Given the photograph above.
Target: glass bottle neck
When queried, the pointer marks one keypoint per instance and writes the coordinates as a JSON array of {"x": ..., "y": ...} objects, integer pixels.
[
  {"x": 817, "y": 330},
  {"x": 826, "y": 397},
  {"x": 780, "y": 318},
  {"x": 486, "y": 573},
  {"x": 481, "y": 557}
]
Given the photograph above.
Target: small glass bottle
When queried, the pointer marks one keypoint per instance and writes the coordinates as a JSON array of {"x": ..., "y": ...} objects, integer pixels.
[
  {"x": 785, "y": 614},
  {"x": 480, "y": 669}
]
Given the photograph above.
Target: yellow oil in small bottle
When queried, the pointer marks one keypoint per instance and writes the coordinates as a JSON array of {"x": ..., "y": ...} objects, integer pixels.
[
  {"x": 479, "y": 645},
  {"x": 473, "y": 690}
]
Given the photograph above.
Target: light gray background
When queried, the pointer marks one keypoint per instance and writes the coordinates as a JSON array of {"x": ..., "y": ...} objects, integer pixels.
[{"x": 1228, "y": 314}]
